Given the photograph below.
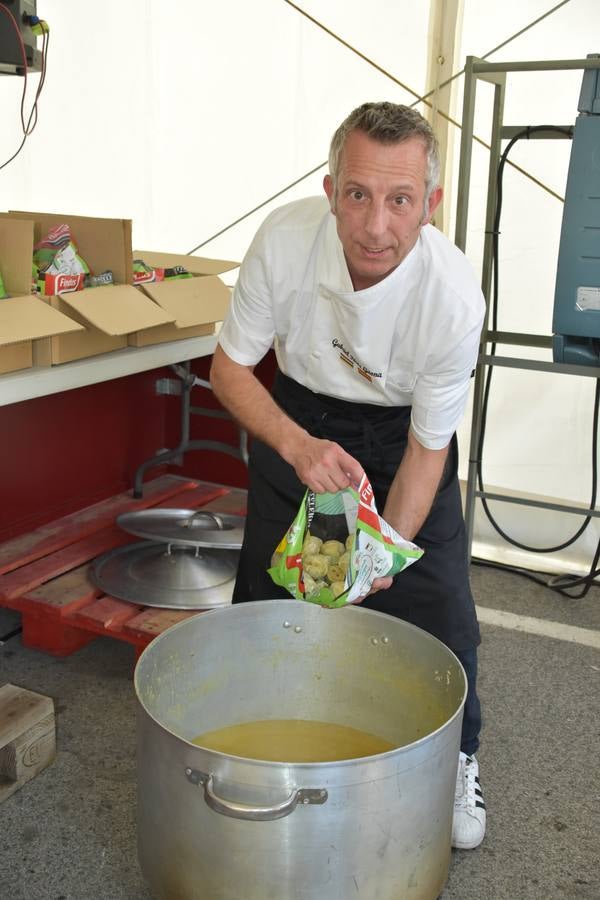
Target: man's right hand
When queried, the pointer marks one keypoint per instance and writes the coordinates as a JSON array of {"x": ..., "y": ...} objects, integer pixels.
[{"x": 323, "y": 466}]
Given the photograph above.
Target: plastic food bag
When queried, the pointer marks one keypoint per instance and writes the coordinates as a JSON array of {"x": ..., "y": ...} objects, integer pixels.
[
  {"x": 57, "y": 266},
  {"x": 336, "y": 546},
  {"x": 145, "y": 274},
  {"x": 4, "y": 295}
]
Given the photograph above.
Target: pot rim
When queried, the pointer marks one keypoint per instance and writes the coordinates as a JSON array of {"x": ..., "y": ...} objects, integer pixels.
[{"x": 310, "y": 766}]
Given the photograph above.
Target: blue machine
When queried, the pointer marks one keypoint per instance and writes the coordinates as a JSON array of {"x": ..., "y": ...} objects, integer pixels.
[{"x": 576, "y": 320}]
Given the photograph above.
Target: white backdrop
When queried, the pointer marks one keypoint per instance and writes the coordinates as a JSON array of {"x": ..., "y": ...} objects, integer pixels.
[{"x": 183, "y": 117}]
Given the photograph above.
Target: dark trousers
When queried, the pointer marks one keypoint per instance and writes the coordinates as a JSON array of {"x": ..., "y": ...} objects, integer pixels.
[
  {"x": 471, "y": 726},
  {"x": 433, "y": 593}
]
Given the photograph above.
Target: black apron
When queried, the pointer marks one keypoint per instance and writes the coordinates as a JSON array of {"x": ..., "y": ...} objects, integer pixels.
[{"x": 434, "y": 592}]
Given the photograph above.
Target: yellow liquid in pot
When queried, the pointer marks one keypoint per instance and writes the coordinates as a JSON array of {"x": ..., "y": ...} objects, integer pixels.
[{"x": 293, "y": 741}]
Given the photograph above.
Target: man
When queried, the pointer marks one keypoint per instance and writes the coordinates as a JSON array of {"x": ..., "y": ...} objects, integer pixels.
[{"x": 375, "y": 318}]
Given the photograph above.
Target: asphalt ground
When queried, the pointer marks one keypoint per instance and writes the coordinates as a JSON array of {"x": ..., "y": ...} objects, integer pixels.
[{"x": 70, "y": 833}]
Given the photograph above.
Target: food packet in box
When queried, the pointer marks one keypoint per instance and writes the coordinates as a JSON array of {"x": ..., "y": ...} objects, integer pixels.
[
  {"x": 336, "y": 546},
  {"x": 59, "y": 266},
  {"x": 4, "y": 295}
]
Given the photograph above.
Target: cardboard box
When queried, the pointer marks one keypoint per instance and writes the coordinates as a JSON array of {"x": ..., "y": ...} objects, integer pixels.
[
  {"x": 23, "y": 318},
  {"x": 195, "y": 304},
  {"x": 108, "y": 313}
]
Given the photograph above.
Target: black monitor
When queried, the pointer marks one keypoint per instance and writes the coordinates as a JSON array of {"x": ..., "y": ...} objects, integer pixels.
[{"x": 11, "y": 57}]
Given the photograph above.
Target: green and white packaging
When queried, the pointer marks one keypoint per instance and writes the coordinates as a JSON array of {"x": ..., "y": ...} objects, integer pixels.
[
  {"x": 373, "y": 548},
  {"x": 3, "y": 293}
]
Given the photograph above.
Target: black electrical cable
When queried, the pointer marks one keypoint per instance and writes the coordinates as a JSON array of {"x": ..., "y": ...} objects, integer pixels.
[
  {"x": 526, "y": 573},
  {"x": 29, "y": 128},
  {"x": 560, "y": 582},
  {"x": 33, "y": 115},
  {"x": 571, "y": 581}
]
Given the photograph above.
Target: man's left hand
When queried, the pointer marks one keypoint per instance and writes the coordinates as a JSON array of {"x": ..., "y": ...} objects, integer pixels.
[{"x": 380, "y": 584}]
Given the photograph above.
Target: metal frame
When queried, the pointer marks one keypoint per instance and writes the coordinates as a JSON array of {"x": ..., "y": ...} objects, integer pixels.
[
  {"x": 184, "y": 388},
  {"x": 495, "y": 73}
]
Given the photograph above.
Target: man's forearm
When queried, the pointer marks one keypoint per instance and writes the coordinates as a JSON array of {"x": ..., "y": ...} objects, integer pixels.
[
  {"x": 414, "y": 487},
  {"x": 249, "y": 402},
  {"x": 319, "y": 464}
]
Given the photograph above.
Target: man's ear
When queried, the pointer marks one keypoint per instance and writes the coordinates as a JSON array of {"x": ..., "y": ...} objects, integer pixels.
[
  {"x": 328, "y": 188},
  {"x": 435, "y": 198}
]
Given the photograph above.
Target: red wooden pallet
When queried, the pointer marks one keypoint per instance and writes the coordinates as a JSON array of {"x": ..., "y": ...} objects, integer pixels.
[{"x": 44, "y": 575}]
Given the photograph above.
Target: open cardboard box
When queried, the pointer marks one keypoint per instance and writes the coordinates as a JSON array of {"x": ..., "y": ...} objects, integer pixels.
[
  {"x": 107, "y": 313},
  {"x": 23, "y": 318},
  {"x": 195, "y": 305}
]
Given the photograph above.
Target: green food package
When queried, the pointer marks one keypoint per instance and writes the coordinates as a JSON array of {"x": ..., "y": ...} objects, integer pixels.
[
  {"x": 3, "y": 293},
  {"x": 336, "y": 546}
]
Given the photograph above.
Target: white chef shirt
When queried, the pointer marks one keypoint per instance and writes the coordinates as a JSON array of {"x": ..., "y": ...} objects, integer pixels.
[{"x": 410, "y": 340}]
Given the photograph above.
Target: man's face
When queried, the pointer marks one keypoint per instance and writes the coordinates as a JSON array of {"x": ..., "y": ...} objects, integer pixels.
[{"x": 379, "y": 204}]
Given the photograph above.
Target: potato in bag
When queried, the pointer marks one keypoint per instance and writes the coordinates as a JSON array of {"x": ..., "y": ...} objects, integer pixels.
[
  {"x": 332, "y": 548},
  {"x": 312, "y": 545},
  {"x": 315, "y": 565},
  {"x": 353, "y": 545}
]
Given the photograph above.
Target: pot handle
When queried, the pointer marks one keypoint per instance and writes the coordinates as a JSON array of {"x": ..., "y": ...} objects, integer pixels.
[{"x": 303, "y": 796}]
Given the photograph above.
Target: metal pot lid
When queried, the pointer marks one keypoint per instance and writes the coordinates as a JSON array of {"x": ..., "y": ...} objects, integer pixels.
[
  {"x": 186, "y": 527},
  {"x": 156, "y": 574}
]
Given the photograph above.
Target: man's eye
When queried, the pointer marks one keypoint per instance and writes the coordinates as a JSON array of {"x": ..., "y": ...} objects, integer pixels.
[
  {"x": 400, "y": 201},
  {"x": 356, "y": 195}
]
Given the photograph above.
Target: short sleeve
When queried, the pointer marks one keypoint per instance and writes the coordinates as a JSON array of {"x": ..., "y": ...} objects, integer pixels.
[
  {"x": 440, "y": 394},
  {"x": 248, "y": 330}
]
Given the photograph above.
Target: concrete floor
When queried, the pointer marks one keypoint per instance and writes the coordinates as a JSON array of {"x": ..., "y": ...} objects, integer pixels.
[{"x": 69, "y": 834}]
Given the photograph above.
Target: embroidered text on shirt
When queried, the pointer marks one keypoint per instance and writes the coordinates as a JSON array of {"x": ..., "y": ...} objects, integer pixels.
[{"x": 350, "y": 360}]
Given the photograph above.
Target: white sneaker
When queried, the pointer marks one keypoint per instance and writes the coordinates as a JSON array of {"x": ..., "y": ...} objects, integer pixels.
[{"x": 468, "y": 824}]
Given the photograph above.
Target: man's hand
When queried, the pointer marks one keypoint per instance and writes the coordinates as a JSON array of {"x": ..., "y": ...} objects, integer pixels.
[
  {"x": 323, "y": 466},
  {"x": 380, "y": 584}
]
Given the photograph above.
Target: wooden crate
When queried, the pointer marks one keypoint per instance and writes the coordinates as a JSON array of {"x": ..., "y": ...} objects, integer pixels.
[
  {"x": 27, "y": 737},
  {"x": 44, "y": 574}
]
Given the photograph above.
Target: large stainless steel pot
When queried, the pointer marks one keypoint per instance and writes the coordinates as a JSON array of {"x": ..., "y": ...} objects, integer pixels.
[{"x": 218, "y": 827}]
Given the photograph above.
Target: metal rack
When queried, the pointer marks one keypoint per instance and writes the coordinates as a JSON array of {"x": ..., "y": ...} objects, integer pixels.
[
  {"x": 495, "y": 73},
  {"x": 183, "y": 388}
]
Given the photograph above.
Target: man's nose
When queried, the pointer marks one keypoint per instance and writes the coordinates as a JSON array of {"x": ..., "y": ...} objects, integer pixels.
[{"x": 376, "y": 219}]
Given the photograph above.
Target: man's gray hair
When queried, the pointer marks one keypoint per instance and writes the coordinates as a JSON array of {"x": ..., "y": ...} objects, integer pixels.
[{"x": 388, "y": 123}]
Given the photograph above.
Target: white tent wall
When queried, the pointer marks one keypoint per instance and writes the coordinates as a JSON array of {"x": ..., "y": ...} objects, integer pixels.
[{"x": 183, "y": 117}]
